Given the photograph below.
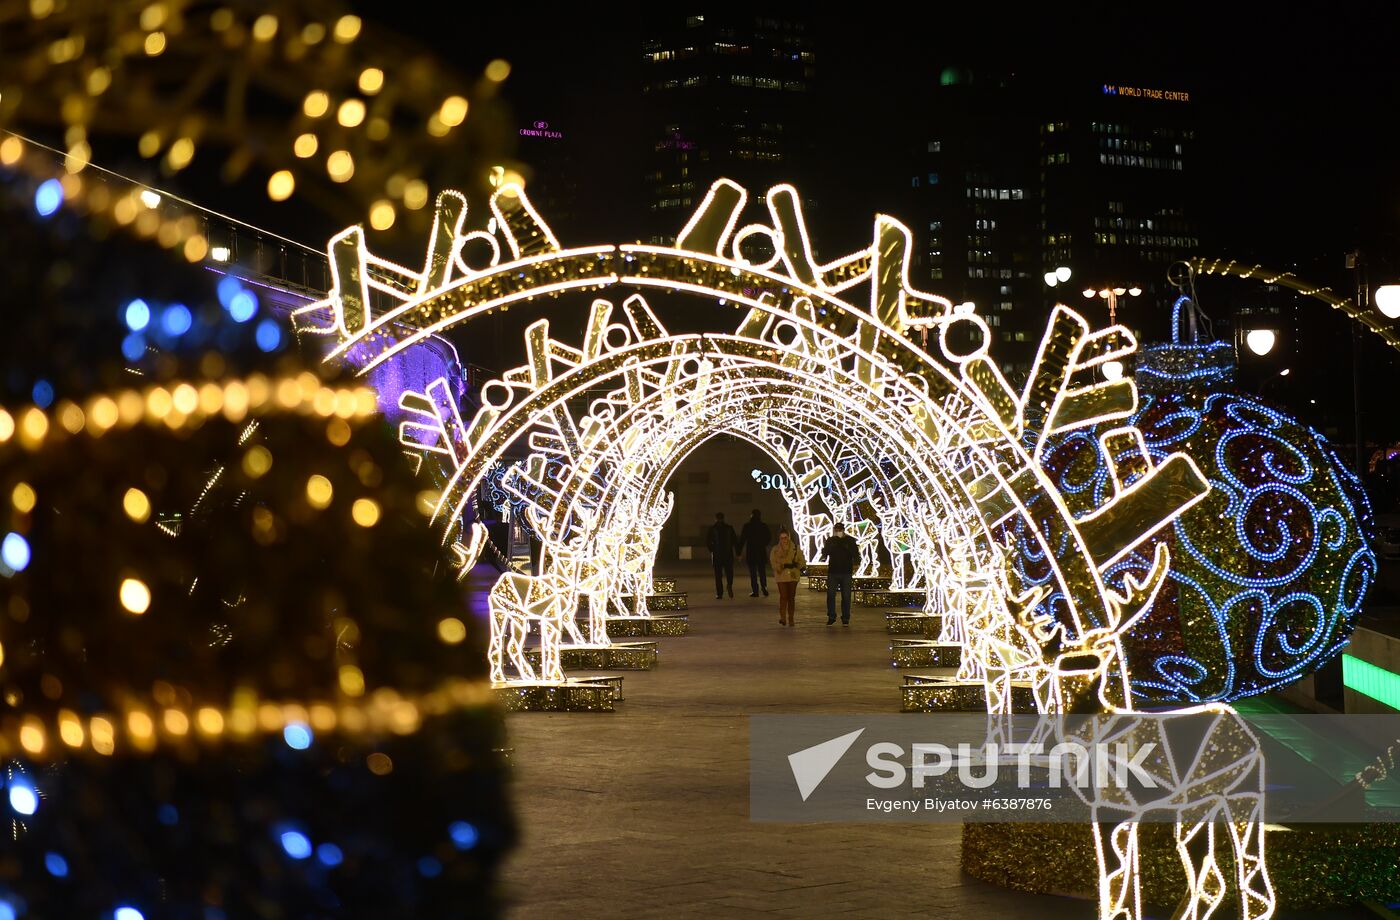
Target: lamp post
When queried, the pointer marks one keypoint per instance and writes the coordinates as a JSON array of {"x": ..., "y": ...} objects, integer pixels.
[
  {"x": 1387, "y": 301},
  {"x": 1058, "y": 276},
  {"x": 1357, "y": 262},
  {"x": 1111, "y": 294}
]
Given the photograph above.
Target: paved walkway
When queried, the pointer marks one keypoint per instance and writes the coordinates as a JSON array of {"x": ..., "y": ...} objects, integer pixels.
[{"x": 644, "y": 812}]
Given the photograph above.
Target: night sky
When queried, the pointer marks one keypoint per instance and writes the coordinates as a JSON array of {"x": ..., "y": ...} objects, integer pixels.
[
  {"x": 1294, "y": 110},
  {"x": 1294, "y": 164}
]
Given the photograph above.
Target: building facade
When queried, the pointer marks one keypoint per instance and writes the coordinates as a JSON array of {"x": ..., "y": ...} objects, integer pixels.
[
  {"x": 723, "y": 95},
  {"x": 1018, "y": 177}
]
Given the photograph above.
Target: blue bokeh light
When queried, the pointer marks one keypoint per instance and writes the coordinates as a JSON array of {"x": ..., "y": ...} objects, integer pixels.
[
  {"x": 137, "y": 314},
  {"x": 269, "y": 336},
  {"x": 134, "y": 346},
  {"x": 176, "y": 320},
  {"x": 56, "y": 864},
  {"x": 48, "y": 197},
  {"x": 127, "y": 913},
  {"x": 242, "y": 306},
  {"x": 429, "y": 867},
  {"x": 330, "y": 855},
  {"x": 7, "y": 911},
  {"x": 298, "y": 736},
  {"x": 297, "y": 845},
  {"x": 42, "y": 394},
  {"x": 23, "y": 798},
  {"x": 228, "y": 287},
  {"x": 168, "y": 815},
  {"x": 464, "y": 835},
  {"x": 14, "y": 552}
]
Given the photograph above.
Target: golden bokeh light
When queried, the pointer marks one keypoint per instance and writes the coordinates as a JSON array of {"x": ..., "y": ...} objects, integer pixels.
[
  {"x": 371, "y": 80},
  {"x": 136, "y": 505},
  {"x": 365, "y": 511},
  {"x": 451, "y": 630},
  {"x": 135, "y": 596},
  {"x": 382, "y": 214},
  {"x": 319, "y": 491},
  {"x": 281, "y": 185},
  {"x": 23, "y": 498}
]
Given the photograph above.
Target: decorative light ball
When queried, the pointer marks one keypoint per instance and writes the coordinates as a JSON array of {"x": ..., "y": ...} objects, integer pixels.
[{"x": 1269, "y": 571}]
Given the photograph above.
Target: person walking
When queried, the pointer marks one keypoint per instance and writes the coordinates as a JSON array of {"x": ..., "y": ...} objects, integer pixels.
[
  {"x": 753, "y": 543},
  {"x": 787, "y": 568},
  {"x": 842, "y": 556},
  {"x": 723, "y": 544}
]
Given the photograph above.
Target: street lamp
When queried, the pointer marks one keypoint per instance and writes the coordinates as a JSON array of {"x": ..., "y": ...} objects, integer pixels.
[
  {"x": 1111, "y": 295},
  {"x": 1057, "y": 276},
  {"x": 1388, "y": 300},
  {"x": 1261, "y": 341},
  {"x": 1113, "y": 370}
]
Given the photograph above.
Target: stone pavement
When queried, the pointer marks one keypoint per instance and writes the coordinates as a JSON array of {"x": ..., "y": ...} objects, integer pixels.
[{"x": 644, "y": 812}]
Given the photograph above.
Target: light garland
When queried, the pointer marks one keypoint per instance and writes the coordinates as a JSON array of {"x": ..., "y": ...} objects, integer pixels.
[
  {"x": 106, "y": 67},
  {"x": 951, "y": 448},
  {"x": 143, "y": 728},
  {"x": 183, "y": 404},
  {"x": 943, "y": 429}
]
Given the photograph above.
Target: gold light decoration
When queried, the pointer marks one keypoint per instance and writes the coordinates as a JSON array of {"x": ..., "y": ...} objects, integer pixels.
[
  {"x": 86, "y": 67},
  {"x": 840, "y": 366}
]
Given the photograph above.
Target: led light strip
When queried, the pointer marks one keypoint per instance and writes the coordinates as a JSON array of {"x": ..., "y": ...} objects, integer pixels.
[{"x": 1371, "y": 680}]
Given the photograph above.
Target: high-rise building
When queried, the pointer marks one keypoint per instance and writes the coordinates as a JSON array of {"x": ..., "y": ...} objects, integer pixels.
[
  {"x": 725, "y": 95},
  {"x": 1017, "y": 177},
  {"x": 1115, "y": 199},
  {"x": 553, "y": 174},
  {"x": 976, "y": 193}
]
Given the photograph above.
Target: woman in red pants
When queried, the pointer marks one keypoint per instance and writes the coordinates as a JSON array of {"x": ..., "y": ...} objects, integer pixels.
[{"x": 786, "y": 559}]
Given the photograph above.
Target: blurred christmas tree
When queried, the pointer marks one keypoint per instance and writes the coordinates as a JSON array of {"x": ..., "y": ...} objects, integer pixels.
[{"x": 238, "y": 679}]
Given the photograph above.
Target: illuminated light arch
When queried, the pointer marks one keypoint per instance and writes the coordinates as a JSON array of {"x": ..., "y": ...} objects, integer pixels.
[
  {"x": 1373, "y": 320},
  {"x": 786, "y": 437},
  {"x": 782, "y": 438},
  {"x": 958, "y": 436}
]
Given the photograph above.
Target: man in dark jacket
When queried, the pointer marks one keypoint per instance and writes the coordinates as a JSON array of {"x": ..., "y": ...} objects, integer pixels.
[
  {"x": 842, "y": 556},
  {"x": 723, "y": 543},
  {"x": 753, "y": 543}
]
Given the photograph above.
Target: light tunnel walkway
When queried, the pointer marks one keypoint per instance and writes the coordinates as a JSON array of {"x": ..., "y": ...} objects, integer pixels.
[{"x": 644, "y": 812}]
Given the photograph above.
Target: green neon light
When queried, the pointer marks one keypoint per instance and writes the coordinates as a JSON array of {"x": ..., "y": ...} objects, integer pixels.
[{"x": 1370, "y": 680}]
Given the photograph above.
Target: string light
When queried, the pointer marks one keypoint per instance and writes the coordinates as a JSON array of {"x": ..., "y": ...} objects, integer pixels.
[{"x": 156, "y": 406}]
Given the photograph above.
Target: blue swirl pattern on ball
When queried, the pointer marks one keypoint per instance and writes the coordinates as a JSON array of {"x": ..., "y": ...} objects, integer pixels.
[{"x": 1268, "y": 573}]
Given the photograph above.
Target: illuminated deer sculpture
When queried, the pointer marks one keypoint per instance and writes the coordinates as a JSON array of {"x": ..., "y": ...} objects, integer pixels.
[{"x": 1218, "y": 784}]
